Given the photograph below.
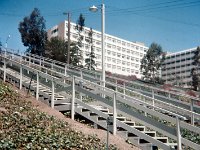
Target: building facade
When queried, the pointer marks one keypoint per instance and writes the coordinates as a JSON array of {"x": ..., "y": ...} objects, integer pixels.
[
  {"x": 177, "y": 67},
  {"x": 122, "y": 56}
]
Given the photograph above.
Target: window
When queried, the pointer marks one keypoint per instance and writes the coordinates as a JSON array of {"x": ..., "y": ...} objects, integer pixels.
[
  {"x": 118, "y": 61},
  {"x": 114, "y": 53},
  {"x": 109, "y": 52},
  {"x": 123, "y": 56},
  {"x": 123, "y": 63},
  {"x": 108, "y": 58},
  {"x": 114, "y": 60},
  {"x": 109, "y": 65},
  {"x": 123, "y": 69},
  {"x": 118, "y": 67},
  {"x": 98, "y": 35},
  {"x": 118, "y": 55},
  {"x": 113, "y": 46},
  {"x": 113, "y": 40},
  {"x": 128, "y": 51},
  {"x": 54, "y": 31},
  {"x": 98, "y": 42},
  {"x": 109, "y": 45},
  {"x": 123, "y": 43},
  {"x": 128, "y": 57},
  {"x": 98, "y": 56},
  {"x": 114, "y": 66},
  {"x": 118, "y": 48},
  {"x": 128, "y": 63},
  {"x": 98, "y": 50}
]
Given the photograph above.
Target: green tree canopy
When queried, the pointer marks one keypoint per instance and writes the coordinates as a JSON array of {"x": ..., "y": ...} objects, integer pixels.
[
  {"x": 76, "y": 52},
  {"x": 151, "y": 62},
  {"x": 90, "y": 62},
  {"x": 56, "y": 49},
  {"x": 33, "y": 33}
]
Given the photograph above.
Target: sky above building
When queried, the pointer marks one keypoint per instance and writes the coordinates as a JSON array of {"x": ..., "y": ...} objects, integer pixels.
[{"x": 174, "y": 24}]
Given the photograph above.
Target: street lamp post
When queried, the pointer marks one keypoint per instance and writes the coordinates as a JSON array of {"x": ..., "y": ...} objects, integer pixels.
[{"x": 94, "y": 9}]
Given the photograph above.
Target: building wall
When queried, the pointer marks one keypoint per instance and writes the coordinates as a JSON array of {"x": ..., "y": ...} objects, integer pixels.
[
  {"x": 177, "y": 67},
  {"x": 122, "y": 56}
]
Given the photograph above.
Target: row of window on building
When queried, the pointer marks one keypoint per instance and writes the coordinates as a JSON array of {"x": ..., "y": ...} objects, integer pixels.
[{"x": 118, "y": 68}]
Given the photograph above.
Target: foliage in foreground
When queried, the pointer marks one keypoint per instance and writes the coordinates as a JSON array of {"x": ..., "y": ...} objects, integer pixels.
[{"x": 24, "y": 127}]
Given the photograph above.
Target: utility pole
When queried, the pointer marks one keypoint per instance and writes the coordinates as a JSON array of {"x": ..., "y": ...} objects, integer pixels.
[{"x": 69, "y": 42}]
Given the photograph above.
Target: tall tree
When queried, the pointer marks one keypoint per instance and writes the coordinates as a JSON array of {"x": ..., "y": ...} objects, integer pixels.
[
  {"x": 33, "y": 33},
  {"x": 151, "y": 62},
  {"x": 90, "y": 62},
  {"x": 194, "y": 72},
  {"x": 76, "y": 52}
]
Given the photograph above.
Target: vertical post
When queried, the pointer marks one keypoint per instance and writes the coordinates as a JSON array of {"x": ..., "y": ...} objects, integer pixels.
[
  {"x": 29, "y": 62},
  {"x": 114, "y": 114},
  {"x": 81, "y": 74},
  {"x": 73, "y": 98},
  {"x": 102, "y": 43},
  {"x": 81, "y": 85},
  {"x": 40, "y": 61},
  {"x": 69, "y": 42},
  {"x": 52, "y": 94},
  {"x": 153, "y": 99},
  {"x": 46, "y": 78},
  {"x": 20, "y": 81},
  {"x": 178, "y": 132},
  {"x": 4, "y": 68},
  {"x": 107, "y": 141},
  {"x": 116, "y": 85},
  {"x": 124, "y": 89},
  {"x": 37, "y": 87},
  {"x": 192, "y": 110},
  {"x": 65, "y": 72}
]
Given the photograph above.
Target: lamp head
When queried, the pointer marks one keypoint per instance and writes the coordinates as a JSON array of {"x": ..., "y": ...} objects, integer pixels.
[{"x": 93, "y": 9}]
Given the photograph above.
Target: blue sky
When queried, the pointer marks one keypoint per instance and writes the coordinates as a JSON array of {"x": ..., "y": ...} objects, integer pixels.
[{"x": 174, "y": 24}]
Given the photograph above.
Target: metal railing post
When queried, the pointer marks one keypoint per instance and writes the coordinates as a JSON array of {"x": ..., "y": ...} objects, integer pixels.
[
  {"x": 4, "y": 70},
  {"x": 192, "y": 110},
  {"x": 114, "y": 114},
  {"x": 178, "y": 133},
  {"x": 124, "y": 89},
  {"x": 37, "y": 87},
  {"x": 52, "y": 94},
  {"x": 153, "y": 100},
  {"x": 20, "y": 80},
  {"x": 65, "y": 72},
  {"x": 73, "y": 98},
  {"x": 116, "y": 85}
]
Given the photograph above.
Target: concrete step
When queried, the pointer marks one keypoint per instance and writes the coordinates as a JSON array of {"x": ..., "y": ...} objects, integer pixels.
[
  {"x": 150, "y": 133},
  {"x": 121, "y": 118},
  {"x": 162, "y": 139},
  {"x": 140, "y": 128}
]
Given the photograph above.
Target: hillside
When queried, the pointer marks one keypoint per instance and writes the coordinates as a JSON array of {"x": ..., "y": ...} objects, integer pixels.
[{"x": 29, "y": 124}]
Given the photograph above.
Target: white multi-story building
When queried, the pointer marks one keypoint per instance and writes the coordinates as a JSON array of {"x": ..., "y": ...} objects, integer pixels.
[
  {"x": 177, "y": 67},
  {"x": 122, "y": 56}
]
